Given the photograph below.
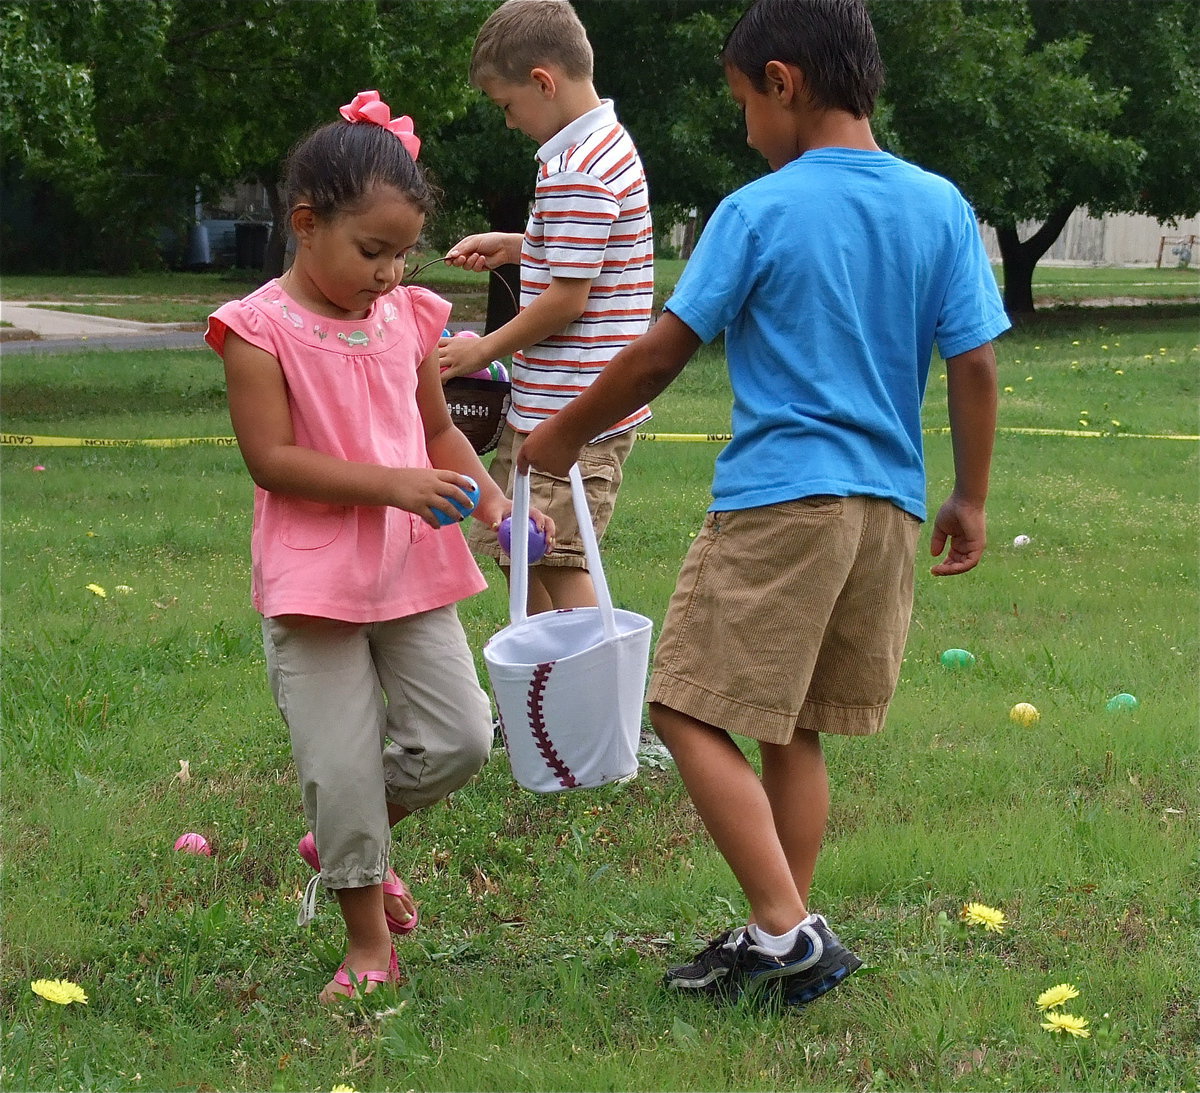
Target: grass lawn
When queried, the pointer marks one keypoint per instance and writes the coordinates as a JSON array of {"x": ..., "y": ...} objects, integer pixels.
[
  {"x": 547, "y": 921},
  {"x": 170, "y": 297}
]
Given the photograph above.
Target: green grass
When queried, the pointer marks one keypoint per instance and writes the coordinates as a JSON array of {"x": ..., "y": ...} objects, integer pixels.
[
  {"x": 547, "y": 921},
  {"x": 1107, "y": 285},
  {"x": 190, "y": 297}
]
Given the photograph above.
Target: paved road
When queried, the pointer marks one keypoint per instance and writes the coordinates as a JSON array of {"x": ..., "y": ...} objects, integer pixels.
[{"x": 38, "y": 330}]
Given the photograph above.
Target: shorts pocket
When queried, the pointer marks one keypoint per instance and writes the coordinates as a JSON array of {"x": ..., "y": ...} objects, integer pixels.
[
  {"x": 311, "y": 525},
  {"x": 598, "y": 476},
  {"x": 819, "y": 504}
]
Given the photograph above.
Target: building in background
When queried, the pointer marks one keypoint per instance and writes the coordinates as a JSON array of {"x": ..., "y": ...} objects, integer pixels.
[{"x": 1121, "y": 240}]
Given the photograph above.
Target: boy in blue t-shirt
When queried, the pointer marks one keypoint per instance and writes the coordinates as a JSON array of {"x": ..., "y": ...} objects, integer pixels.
[{"x": 832, "y": 279}]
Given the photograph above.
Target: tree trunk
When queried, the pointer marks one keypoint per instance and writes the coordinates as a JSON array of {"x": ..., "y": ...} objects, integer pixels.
[
  {"x": 1020, "y": 259},
  {"x": 277, "y": 241},
  {"x": 506, "y": 213}
]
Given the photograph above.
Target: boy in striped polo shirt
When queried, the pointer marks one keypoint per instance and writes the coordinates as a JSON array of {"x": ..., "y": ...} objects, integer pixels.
[{"x": 587, "y": 271}]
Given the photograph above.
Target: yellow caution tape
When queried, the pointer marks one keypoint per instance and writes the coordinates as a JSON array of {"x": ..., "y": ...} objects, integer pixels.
[
  {"x": 26, "y": 440},
  {"x": 722, "y": 438}
]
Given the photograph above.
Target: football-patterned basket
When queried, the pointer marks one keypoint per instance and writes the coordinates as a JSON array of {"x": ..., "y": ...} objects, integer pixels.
[{"x": 478, "y": 407}]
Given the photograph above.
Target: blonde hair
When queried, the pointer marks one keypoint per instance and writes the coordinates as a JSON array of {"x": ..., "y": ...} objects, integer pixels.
[{"x": 521, "y": 35}]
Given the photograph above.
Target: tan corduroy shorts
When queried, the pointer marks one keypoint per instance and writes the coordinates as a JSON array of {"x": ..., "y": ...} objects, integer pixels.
[
  {"x": 790, "y": 616},
  {"x": 600, "y": 467}
]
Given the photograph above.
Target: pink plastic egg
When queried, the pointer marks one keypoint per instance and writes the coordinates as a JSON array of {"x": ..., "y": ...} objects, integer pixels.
[{"x": 191, "y": 843}]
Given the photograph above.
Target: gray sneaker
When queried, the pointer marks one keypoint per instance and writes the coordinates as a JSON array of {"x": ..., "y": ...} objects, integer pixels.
[
  {"x": 711, "y": 970},
  {"x": 817, "y": 964}
]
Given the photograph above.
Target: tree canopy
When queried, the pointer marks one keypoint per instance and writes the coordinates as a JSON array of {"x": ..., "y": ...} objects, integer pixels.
[
  {"x": 1037, "y": 108},
  {"x": 1034, "y": 108}
]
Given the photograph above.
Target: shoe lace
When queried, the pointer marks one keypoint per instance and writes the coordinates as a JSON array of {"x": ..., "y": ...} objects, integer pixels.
[
  {"x": 731, "y": 940},
  {"x": 308, "y": 904}
]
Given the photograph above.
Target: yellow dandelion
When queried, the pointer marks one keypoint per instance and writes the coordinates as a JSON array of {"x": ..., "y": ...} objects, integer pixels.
[
  {"x": 1057, "y": 1021},
  {"x": 979, "y": 914},
  {"x": 60, "y": 991},
  {"x": 343, "y": 1089},
  {"x": 97, "y": 590},
  {"x": 1119, "y": 371},
  {"x": 1056, "y": 996},
  {"x": 1008, "y": 390}
]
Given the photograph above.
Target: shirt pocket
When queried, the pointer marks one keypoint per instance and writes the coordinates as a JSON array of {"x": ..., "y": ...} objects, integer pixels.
[{"x": 311, "y": 525}]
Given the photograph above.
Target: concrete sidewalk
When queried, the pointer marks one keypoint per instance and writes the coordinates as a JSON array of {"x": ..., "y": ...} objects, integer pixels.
[
  {"x": 40, "y": 330},
  {"x": 30, "y": 321}
]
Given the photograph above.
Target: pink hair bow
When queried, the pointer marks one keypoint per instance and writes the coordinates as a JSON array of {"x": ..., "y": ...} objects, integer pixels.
[{"x": 368, "y": 106}]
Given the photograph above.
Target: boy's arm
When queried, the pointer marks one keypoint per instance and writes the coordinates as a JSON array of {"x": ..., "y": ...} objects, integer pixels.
[
  {"x": 563, "y": 301},
  {"x": 971, "y": 400},
  {"x": 487, "y": 250},
  {"x": 635, "y": 376}
]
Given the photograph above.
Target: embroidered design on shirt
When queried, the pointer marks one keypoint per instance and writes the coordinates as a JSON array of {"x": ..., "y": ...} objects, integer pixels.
[
  {"x": 295, "y": 320},
  {"x": 390, "y": 314},
  {"x": 356, "y": 338},
  {"x": 320, "y": 331}
]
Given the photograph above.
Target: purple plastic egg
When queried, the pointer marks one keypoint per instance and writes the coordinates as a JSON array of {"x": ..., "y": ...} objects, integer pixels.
[{"x": 537, "y": 540}]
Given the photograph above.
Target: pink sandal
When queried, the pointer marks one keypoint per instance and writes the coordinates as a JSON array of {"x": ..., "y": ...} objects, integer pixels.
[
  {"x": 346, "y": 979},
  {"x": 392, "y": 886}
]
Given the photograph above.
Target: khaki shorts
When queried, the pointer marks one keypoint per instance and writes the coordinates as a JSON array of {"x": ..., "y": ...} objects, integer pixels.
[
  {"x": 600, "y": 467},
  {"x": 790, "y": 616}
]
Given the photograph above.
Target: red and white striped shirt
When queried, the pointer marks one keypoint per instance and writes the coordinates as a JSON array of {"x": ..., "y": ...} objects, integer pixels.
[{"x": 590, "y": 219}]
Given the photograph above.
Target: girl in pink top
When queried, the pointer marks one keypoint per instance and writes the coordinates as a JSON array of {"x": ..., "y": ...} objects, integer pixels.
[{"x": 358, "y": 559}]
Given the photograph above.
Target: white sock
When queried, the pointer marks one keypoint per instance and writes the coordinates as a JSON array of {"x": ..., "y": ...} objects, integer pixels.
[{"x": 778, "y": 944}]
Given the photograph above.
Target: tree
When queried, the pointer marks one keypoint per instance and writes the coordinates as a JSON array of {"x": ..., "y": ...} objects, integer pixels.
[
  {"x": 261, "y": 73},
  {"x": 1036, "y": 109},
  {"x": 178, "y": 95}
]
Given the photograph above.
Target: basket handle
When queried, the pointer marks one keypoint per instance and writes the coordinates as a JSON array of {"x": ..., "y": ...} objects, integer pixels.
[{"x": 518, "y": 585}]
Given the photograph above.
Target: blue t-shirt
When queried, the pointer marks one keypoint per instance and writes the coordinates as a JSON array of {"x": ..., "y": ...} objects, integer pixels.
[{"x": 833, "y": 278}]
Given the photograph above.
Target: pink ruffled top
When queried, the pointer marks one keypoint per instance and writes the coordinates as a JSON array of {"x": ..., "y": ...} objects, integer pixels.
[{"x": 352, "y": 391}]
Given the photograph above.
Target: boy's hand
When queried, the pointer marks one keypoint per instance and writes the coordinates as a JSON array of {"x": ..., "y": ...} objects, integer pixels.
[
  {"x": 548, "y": 449},
  {"x": 460, "y": 357},
  {"x": 965, "y": 526},
  {"x": 483, "y": 252}
]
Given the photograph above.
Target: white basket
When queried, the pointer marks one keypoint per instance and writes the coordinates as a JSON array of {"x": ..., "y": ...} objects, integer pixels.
[{"x": 569, "y": 684}]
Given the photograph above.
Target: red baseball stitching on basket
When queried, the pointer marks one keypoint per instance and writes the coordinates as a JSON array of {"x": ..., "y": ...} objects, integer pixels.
[{"x": 537, "y": 723}]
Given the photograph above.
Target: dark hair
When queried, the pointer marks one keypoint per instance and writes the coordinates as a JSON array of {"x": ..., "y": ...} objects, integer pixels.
[
  {"x": 333, "y": 167},
  {"x": 831, "y": 41}
]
